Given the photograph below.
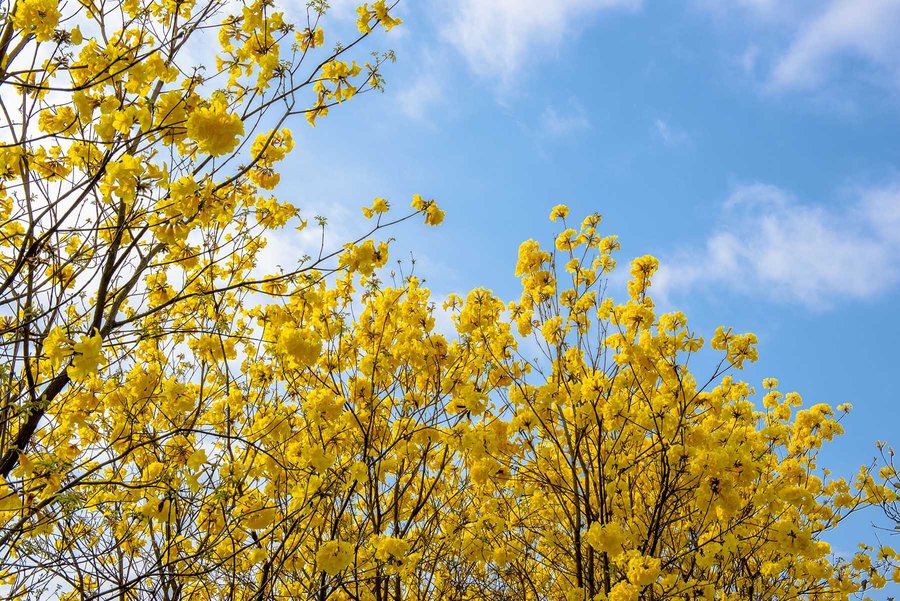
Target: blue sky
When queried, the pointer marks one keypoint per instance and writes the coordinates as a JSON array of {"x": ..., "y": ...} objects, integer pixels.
[{"x": 751, "y": 145}]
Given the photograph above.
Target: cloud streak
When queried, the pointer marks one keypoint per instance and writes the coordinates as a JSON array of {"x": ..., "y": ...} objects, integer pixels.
[
  {"x": 770, "y": 245},
  {"x": 670, "y": 135},
  {"x": 498, "y": 37},
  {"x": 847, "y": 29},
  {"x": 559, "y": 123},
  {"x": 814, "y": 47},
  {"x": 422, "y": 95}
]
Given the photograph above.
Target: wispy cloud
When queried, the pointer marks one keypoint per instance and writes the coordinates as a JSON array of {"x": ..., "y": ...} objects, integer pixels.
[
  {"x": 846, "y": 29},
  {"x": 422, "y": 95},
  {"x": 755, "y": 7},
  {"x": 670, "y": 135},
  {"x": 748, "y": 60},
  {"x": 832, "y": 50},
  {"x": 560, "y": 122},
  {"x": 498, "y": 37},
  {"x": 770, "y": 245},
  {"x": 286, "y": 248},
  {"x": 426, "y": 90}
]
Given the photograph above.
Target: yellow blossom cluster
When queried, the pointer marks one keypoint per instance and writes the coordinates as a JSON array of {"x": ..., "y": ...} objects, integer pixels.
[
  {"x": 36, "y": 17},
  {"x": 216, "y": 130},
  {"x": 176, "y": 424}
]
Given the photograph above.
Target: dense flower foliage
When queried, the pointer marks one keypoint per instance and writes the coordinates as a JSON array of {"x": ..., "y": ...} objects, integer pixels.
[{"x": 176, "y": 425}]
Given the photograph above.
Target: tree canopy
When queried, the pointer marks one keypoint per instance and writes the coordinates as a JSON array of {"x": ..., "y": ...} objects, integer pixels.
[{"x": 175, "y": 424}]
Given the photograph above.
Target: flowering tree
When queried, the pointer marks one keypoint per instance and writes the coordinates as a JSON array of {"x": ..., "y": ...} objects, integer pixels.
[
  {"x": 176, "y": 425},
  {"x": 134, "y": 204},
  {"x": 621, "y": 475}
]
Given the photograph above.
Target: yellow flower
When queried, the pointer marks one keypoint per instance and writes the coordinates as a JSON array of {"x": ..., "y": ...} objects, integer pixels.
[
  {"x": 215, "y": 130},
  {"x": 364, "y": 258},
  {"x": 642, "y": 570},
  {"x": 553, "y": 330},
  {"x": 359, "y": 472},
  {"x": 38, "y": 17},
  {"x": 381, "y": 11},
  {"x": 642, "y": 269},
  {"x": 9, "y": 500},
  {"x": 333, "y": 556},
  {"x": 60, "y": 120},
  {"x": 566, "y": 240},
  {"x": 57, "y": 347},
  {"x": 575, "y": 594},
  {"x": 365, "y": 15},
  {"x": 559, "y": 212},
  {"x": 257, "y": 555},
  {"x": 88, "y": 357},
  {"x": 389, "y": 547},
  {"x": 742, "y": 348},
  {"x": 261, "y": 519},
  {"x": 378, "y": 207},
  {"x": 196, "y": 459},
  {"x": 271, "y": 147},
  {"x": 309, "y": 38},
  {"x": 265, "y": 177},
  {"x": 606, "y": 538},
  {"x": 624, "y": 591},
  {"x": 433, "y": 215},
  {"x": 301, "y": 345}
]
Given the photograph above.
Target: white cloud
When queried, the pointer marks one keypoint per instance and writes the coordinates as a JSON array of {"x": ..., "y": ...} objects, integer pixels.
[
  {"x": 559, "y": 123},
  {"x": 498, "y": 37},
  {"x": 671, "y": 136},
  {"x": 425, "y": 89},
  {"x": 722, "y": 5},
  {"x": 768, "y": 244},
  {"x": 813, "y": 46},
  {"x": 286, "y": 247},
  {"x": 424, "y": 93},
  {"x": 760, "y": 5},
  {"x": 852, "y": 29},
  {"x": 748, "y": 60}
]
